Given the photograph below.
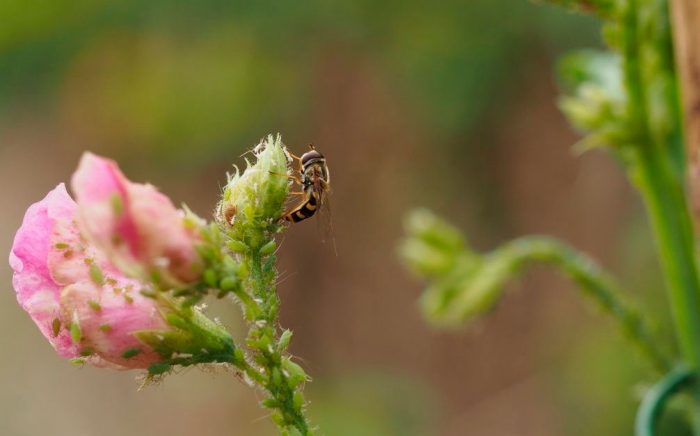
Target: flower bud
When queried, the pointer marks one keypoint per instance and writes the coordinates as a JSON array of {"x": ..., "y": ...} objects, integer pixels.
[
  {"x": 432, "y": 246},
  {"x": 252, "y": 202}
]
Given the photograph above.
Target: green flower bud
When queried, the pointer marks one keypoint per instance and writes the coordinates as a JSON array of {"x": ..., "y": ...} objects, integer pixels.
[
  {"x": 252, "y": 202},
  {"x": 595, "y": 97},
  {"x": 432, "y": 247}
]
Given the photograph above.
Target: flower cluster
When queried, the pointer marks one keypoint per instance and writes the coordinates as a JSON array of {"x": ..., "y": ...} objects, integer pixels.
[{"x": 89, "y": 271}]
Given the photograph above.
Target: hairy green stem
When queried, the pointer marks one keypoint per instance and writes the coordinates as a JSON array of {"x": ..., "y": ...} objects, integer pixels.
[
  {"x": 263, "y": 338},
  {"x": 595, "y": 283}
]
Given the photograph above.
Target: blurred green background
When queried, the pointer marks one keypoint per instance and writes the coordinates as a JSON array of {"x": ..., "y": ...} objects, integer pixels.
[{"x": 449, "y": 105}]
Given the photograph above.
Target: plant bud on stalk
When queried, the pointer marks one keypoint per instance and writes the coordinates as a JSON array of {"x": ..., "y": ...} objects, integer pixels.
[{"x": 252, "y": 202}]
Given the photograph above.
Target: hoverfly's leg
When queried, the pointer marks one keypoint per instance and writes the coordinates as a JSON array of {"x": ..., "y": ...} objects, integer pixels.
[
  {"x": 294, "y": 157},
  {"x": 298, "y": 193},
  {"x": 289, "y": 176}
]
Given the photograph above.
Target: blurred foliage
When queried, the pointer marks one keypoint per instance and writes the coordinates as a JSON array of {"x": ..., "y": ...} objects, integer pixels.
[
  {"x": 464, "y": 284},
  {"x": 374, "y": 403},
  {"x": 601, "y": 390},
  {"x": 167, "y": 76}
]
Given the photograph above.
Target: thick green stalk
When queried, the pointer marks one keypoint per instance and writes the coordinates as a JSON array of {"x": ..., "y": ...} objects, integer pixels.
[
  {"x": 672, "y": 228},
  {"x": 666, "y": 204},
  {"x": 664, "y": 198},
  {"x": 670, "y": 220}
]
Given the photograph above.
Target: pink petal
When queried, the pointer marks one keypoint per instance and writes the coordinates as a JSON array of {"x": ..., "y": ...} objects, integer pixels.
[
  {"x": 108, "y": 318},
  {"x": 37, "y": 292},
  {"x": 155, "y": 216},
  {"x": 134, "y": 223},
  {"x": 102, "y": 191}
]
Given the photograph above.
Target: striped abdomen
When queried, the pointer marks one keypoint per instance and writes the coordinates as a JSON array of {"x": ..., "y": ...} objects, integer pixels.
[{"x": 305, "y": 210}]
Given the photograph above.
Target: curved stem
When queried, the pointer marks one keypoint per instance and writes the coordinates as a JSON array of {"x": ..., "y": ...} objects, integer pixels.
[
  {"x": 655, "y": 399},
  {"x": 602, "y": 288}
]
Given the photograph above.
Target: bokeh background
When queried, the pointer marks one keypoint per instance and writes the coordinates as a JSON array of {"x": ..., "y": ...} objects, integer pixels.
[{"x": 449, "y": 104}]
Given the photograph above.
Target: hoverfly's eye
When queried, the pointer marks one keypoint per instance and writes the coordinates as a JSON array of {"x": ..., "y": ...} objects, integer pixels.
[{"x": 310, "y": 156}]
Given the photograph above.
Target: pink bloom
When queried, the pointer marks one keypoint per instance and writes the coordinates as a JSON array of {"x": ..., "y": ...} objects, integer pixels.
[
  {"x": 81, "y": 303},
  {"x": 134, "y": 223}
]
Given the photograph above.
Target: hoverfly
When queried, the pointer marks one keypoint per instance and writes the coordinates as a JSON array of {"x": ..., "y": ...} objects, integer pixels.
[{"x": 314, "y": 179}]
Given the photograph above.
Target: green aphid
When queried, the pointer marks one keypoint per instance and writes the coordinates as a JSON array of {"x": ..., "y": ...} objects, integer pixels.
[
  {"x": 148, "y": 293},
  {"x": 284, "y": 340},
  {"x": 129, "y": 299},
  {"x": 268, "y": 248},
  {"x": 56, "y": 327},
  {"x": 237, "y": 246},
  {"x": 159, "y": 368},
  {"x": 131, "y": 352},
  {"x": 61, "y": 246},
  {"x": 96, "y": 274},
  {"x": 117, "y": 205},
  {"x": 210, "y": 277},
  {"x": 105, "y": 327},
  {"x": 270, "y": 403},
  {"x": 75, "y": 333},
  {"x": 229, "y": 283},
  {"x": 298, "y": 400},
  {"x": 94, "y": 305},
  {"x": 85, "y": 352}
]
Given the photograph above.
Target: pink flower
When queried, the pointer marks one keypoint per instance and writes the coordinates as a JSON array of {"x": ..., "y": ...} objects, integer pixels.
[
  {"x": 133, "y": 223},
  {"x": 81, "y": 303}
]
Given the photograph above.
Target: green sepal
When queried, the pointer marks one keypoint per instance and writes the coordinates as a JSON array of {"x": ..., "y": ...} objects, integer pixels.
[{"x": 193, "y": 339}]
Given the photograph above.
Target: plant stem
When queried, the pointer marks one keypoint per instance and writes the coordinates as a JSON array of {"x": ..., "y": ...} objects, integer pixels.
[
  {"x": 596, "y": 283},
  {"x": 672, "y": 228},
  {"x": 671, "y": 224},
  {"x": 667, "y": 207},
  {"x": 664, "y": 198},
  {"x": 263, "y": 338}
]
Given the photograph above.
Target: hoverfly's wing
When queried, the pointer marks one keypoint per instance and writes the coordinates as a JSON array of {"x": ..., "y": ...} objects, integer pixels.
[{"x": 324, "y": 220}]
